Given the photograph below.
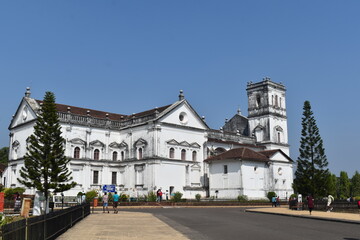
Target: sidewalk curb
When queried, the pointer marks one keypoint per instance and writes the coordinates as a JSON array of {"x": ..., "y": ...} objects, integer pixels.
[{"x": 308, "y": 217}]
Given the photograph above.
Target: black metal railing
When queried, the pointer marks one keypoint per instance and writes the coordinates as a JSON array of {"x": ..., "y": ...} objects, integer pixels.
[{"x": 47, "y": 226}]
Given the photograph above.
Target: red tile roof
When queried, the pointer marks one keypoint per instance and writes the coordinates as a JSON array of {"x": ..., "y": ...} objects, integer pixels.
[
  {"x": 102, "y": 115},
  {"x": 235, "y": 143},
  {"x": 240, "y": 153}
]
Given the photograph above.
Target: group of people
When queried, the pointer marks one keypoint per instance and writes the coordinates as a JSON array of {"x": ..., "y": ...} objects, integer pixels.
[
  {"x": 329, "y": 207},
  {"x": 275, "y": 201},
  {"x": 105, "y": 200}
]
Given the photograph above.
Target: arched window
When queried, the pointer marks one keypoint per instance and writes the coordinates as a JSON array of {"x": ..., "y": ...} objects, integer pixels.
[
  {"x": 122, "y": 155},
  {"x": 77, "y": 153},
  {"x": 140, "y": 153},
  {"x": 172, "y": 153},
  {"x": 194, "y": 156},
  {"x": 276, "y": 101},
  {"x": 96, "y": 154},
  {"x": 114, "y": 157},
  {"x": 272, "y": 100},
  {"x": 183, "y": 154}
]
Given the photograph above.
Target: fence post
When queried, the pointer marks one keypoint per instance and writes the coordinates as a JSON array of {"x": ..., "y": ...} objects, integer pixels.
[
  {"x": 26, "y": 229},
  {"x": 45, "y": 226}
]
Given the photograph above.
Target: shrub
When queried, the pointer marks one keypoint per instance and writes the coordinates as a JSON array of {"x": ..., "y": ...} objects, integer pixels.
[
  {"x": 110, "y": 198},
  {"x": 142, "y": 198},
  {"x": 90, "y": 195},
  {"x": 270, "y": 195},
  {"x": 124, "y": 197},
  {"x": 198, "y": 197},
  {"x": 10, "y": 192},
  {"x": 177, "y": 197},
  {"x": 294, "y": 195},
  {"x": 151, "y": 197},
  {"x": 242, "y": 198}
]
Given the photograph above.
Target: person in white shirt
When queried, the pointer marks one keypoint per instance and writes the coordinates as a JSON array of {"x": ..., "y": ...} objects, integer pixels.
[{"x": 329, "y": 201}]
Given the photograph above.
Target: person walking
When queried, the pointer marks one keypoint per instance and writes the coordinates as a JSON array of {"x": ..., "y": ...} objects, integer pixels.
[
  {"x": 310, "y": 202},
  {"x": 273, "y": 201},
  {"x": 17, "y": 204},
  {"x": 116, "y": 201},
  {"x": 158, "y": 198},
  {"x": 105, "y": 200},
  {"x": 328, "y": 205}
]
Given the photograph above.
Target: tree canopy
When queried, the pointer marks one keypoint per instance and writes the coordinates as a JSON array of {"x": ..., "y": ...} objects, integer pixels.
[
  {"x": 45, "y": 164},
  {"x": 312, "y": 174},
  {"x": 355, "y": 184},
  {"x": 4, "y": 155},
  {"x": 343, "y": 186}
]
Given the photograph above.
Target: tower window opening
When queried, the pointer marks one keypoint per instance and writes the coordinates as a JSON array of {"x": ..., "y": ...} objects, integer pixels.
[{"x": 258, "y": 100}]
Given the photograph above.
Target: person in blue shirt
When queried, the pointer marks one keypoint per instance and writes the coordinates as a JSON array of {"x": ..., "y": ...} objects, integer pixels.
[{"x": 116, "y": 201}]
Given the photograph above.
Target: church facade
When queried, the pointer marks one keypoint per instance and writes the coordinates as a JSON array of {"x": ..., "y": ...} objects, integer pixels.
[{"x": 169, "y": 147}]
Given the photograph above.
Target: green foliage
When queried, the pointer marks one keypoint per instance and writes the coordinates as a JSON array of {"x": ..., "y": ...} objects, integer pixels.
[
  {"x": 45, "y": 164},
  {"x": 9, "y": 219},
  {"x": 294, "y": 195},
  {"x": 143, "y": 198},
  {"x": 124, "y": 197},
  {"x": 10, "y": 192},
  {"x": 332, "y": 184},
  {"x": 151, "y": 197},
  {"x": 177, "y": 196},
  {"x": 111, "y": 198},
  {"x": 270, "y": 195},
  {"x": 198, "y": 197},
  {"x": 90, "y": 195},
  {"x": 242, "y": 198},
  {"x": 312, "y": 174},
  {"x": 355, "y": 184},
  {"x": 4, "y": 155},
  {"x": 343, "y": 186}
]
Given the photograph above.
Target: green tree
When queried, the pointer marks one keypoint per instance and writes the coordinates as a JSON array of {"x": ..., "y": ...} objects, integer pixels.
[
  {"x": 343, "y": 186},
  {"x": 45, "y": 164},
  {"x": 332, "y": 184},
  {"x": 312, "y": 174},
  {"x": 355, "y": 184},
  {"x": 4, "y": 155}
]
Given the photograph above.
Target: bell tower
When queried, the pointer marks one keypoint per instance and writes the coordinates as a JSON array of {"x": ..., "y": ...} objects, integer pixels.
[{"x": 267, "y": 114}]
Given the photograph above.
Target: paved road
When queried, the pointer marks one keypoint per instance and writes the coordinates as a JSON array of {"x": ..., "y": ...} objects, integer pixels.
[{"x": 234, "y": 223}]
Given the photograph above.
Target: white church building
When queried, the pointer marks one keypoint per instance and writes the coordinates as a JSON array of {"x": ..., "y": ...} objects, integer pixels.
[{"x": 169, "y": 147}]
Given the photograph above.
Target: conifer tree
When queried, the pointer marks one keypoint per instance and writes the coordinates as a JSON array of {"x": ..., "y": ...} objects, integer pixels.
[
  {"x": 355, "y": 184},
  {"x": 312, "y": 174},
  {"x": 45, "y": 164}
]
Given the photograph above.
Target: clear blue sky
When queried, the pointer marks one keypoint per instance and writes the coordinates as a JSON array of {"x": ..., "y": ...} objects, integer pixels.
[{"x": 130, "y": 56}]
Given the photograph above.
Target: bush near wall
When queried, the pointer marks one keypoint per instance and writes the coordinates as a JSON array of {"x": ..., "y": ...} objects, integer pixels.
[{"x": 10, "y": 192}]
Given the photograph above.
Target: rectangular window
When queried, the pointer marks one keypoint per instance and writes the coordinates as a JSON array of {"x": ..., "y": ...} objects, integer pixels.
[
  {"x": 225, "y": 169},
  {"x": 95, "y": 177},
  {"x": 113, "y": 178}
]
